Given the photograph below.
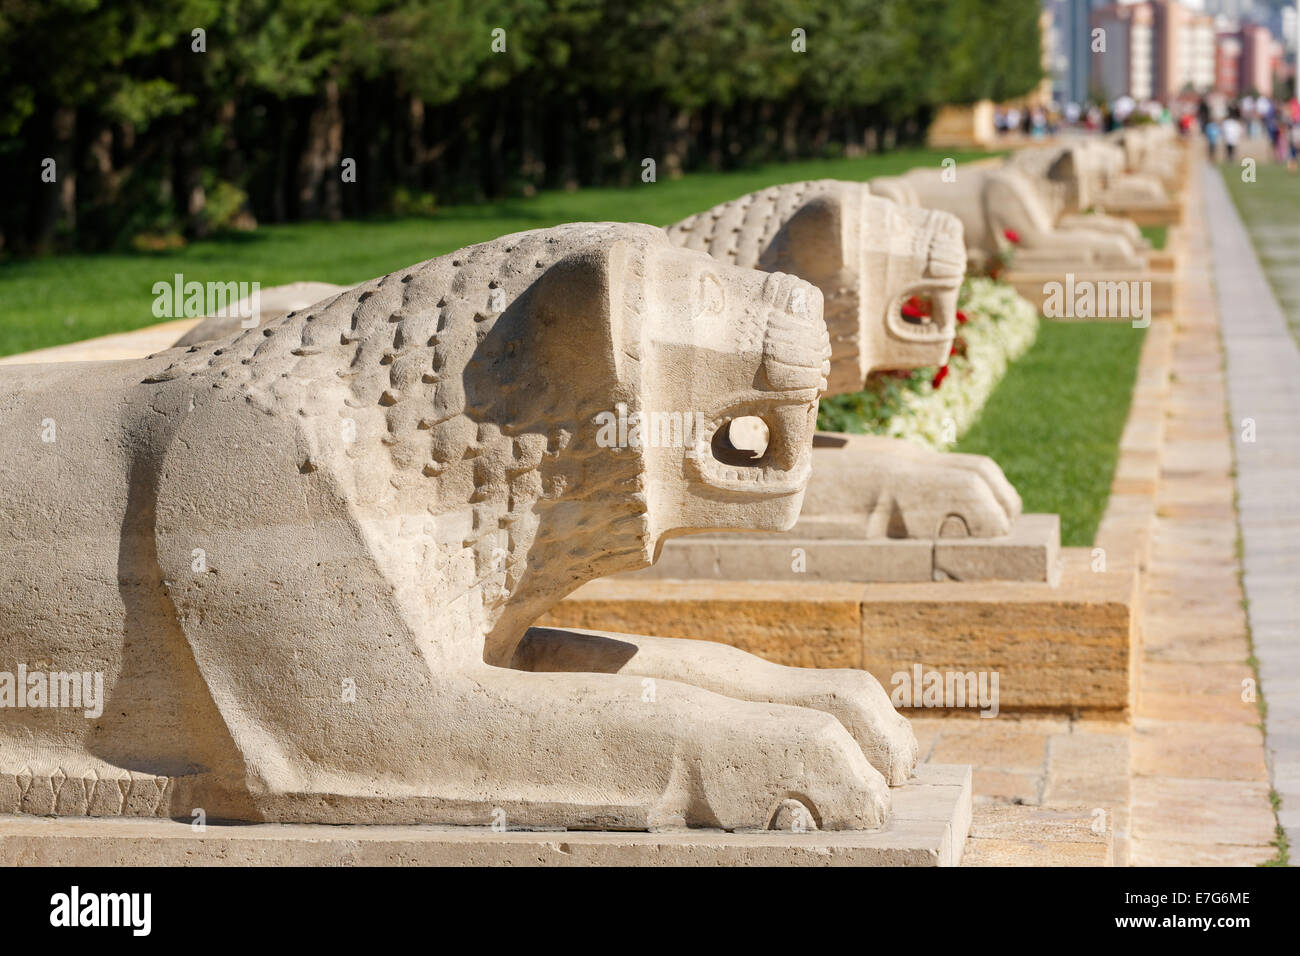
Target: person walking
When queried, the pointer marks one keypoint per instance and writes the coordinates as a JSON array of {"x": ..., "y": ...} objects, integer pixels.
[
  {"x": 1232, "y": 131},
  {"x": 1212, "y": 140}
]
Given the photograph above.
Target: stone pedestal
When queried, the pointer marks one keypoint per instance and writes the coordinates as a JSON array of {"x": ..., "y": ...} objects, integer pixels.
[
  {"x": 1066, "y": 649},
  {"x": 968, "y": 126},
  {"x": 1034, "y": 286},
  {"x": 928, "y": 827},
  {"x": 1031, "y": 552},
  {"x": 1148, "y": 214}
]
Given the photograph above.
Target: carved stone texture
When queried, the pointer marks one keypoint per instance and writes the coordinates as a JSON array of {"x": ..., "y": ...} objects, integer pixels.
[
  {"x": 1066, "y": 185},
  {"x": 868, "y": 255},
  {"x": 302, "y": 557},
  {"x": 995, "y": 204},
  {"x": 1152, "y": 151},
  {"x": 1116, "y": 185},
  {"x": 274, "y": 302}
]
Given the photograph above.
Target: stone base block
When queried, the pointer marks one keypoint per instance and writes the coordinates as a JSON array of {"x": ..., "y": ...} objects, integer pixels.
[
  {"x": 1037, "y": 284},
  {"x": 1031, "y": 552},
  {"x": 1149, "y": 214},
  {"x": 1069, "y": 649},
  {"x": 928, "y": 827}
]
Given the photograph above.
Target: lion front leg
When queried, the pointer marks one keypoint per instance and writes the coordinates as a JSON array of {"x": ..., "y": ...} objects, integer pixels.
[
  {"x": 903, "y": 490},
  {"x": 854, "y": 697},
  {"x": 613, "y": 751}
]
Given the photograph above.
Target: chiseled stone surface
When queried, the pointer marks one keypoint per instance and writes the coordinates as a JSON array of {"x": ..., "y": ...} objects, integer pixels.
[
  {"x": 867, "y": 255},
  {"x": 1068, "y": 648},
  {"x": 270, "y": 305},
  {"x": 994, "y": 201},
  {"x": 932, "y": 815},
  {"x": 411, "y": 460},
  {"x": 1029, "y": 552},
  {"x": 1038, "y": 836},
  {"x": 798, "y": 623}
]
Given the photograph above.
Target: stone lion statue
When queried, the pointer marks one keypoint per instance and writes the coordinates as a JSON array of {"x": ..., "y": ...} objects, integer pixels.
[
  {"x": 303, "y": 559},
  {"x": 272, "y": 303},
  {"x": 1069, "y": 183},
  {"x": 1000, "y": 208},
  {"x": 868, "y": 255}
]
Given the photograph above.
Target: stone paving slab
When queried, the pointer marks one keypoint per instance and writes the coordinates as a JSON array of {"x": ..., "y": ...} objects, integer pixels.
[
  {"x": 1263, "y": 383},
  {"x": 1199, "y": 778},
  {"x": 1038, "y": 836}
]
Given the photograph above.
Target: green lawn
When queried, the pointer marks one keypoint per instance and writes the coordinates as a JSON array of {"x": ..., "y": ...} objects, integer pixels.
[
  {"x": 71, "y": 297},
  {"x": 1054, "y": 421},
  {"x": 1270, "y": 207},
  {"x": 1155, "y": 235}
]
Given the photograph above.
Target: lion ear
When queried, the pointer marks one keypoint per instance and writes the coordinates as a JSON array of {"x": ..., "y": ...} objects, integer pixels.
[
  {"x": 814, "y": 238},
  {"x": 581, "y": 296}
]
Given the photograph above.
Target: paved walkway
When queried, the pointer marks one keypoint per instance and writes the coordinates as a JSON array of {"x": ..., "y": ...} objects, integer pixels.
[
  {"x": 1263, "y": 372},
  {"x": 1200, "y": 791}
]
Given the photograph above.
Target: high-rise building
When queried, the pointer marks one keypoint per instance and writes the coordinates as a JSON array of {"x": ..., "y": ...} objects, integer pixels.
[
  {"x": 1070, "y": 49},
  {"x": 1126, "y": 66},
  {"x": 1197, "y": 64},
  {"x": 1227, "y": 63},
  {"x": 1257, "y": 59},
  {"x": 1163, "y": 49}
]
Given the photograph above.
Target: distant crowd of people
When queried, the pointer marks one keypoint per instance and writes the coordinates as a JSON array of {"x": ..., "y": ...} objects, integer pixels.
[
  {"x": 1225, "y": 124},
  {"x": 1255, "y": 117}
]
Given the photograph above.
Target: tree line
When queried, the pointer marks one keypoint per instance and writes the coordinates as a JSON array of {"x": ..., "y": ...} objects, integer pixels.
[{"x": 130, "y": 118}]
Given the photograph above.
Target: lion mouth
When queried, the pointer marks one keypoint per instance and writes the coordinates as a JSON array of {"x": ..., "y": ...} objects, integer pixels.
[{"x": 758, "y": 447}]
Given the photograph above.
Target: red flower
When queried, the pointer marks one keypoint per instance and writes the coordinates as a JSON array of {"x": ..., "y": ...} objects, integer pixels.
[
  {"x": 1011, "y": 236},
  {"x": 939, "y": 376},
  {"x": 961, "y": 317},
  {"x": 914, "y": 308}
]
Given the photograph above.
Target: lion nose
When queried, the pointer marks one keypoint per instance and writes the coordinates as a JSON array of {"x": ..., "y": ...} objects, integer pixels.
[
  {"x": 946, "y": 257},
  {"x": 796, "y": 345}
]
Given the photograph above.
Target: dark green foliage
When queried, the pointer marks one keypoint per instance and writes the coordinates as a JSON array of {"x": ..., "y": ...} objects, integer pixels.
[{"x": 147, "y": 132}]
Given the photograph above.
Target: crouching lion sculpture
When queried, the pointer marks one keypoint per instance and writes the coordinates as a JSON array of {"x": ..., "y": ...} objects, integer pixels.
[
  {"x": 304, "y": 558},
  {"x": 869, "y": 256}
]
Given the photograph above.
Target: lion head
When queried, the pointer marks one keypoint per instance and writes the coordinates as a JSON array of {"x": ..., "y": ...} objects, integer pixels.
[{"x": 868, "y": 256}]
